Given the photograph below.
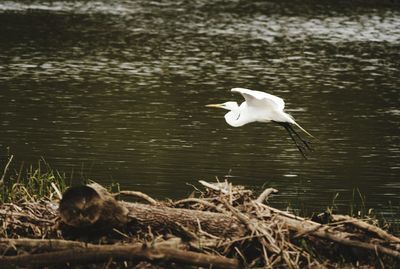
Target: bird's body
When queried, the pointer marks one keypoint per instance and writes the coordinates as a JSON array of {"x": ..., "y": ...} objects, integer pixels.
[{"x": 262, "y": 107}]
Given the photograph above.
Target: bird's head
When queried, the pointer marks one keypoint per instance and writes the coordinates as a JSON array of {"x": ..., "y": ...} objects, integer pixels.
[{"x": 227, "y": 105}]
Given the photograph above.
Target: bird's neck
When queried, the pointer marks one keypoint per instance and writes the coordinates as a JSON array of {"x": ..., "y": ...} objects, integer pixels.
[{"x": 234, "y": 118}]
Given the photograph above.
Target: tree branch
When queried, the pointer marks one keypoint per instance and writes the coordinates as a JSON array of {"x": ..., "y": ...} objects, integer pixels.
[{"x": 135, "y": 252}]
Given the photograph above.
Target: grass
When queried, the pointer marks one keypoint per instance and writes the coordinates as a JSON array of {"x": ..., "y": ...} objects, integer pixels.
[{"x": 30, "y": 184}]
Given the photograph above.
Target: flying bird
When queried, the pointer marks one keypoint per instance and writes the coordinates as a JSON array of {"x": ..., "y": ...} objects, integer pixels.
[{"x": 263, "y": 107}]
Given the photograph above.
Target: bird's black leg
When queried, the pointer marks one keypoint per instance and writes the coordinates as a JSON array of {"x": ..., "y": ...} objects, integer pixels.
[
  {"x": 288, "y": 128},
  {"x": 305, "y": 142},
  {"x": 299, "y": 147}
]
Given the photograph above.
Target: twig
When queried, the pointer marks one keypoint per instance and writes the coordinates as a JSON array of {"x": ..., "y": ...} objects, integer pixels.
[
  {"x": 283, "y": 213},
  {"x": 204, "y": 232},
  {"x": 5, "y": 170},
  {"x": 200, "y": 201},
  {"x": 265, "y": 194},
  {"x": 140, "y": 195},
  {"x": 240, "y": 239},
  {"x": 254, "y": 228},
  {"x": 213, "y": 187},
  {"x": 29, "y": 216}
]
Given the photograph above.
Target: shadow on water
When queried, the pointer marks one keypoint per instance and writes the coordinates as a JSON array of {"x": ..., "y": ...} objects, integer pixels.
[{"x": 116, "y": 92}]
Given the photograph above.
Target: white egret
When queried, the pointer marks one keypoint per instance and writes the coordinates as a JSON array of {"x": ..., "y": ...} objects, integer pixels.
[{"x": 263, "y": 107}]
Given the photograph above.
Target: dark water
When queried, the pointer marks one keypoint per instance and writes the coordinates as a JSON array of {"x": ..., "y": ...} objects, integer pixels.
[{"x": 115, "y": 92}]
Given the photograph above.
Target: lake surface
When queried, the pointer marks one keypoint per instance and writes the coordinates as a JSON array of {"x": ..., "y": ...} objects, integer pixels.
[{"x": 115, "y": 92}]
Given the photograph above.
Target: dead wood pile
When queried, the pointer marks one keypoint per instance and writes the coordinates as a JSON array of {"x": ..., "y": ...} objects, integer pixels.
[{"x": 221, "y": 226}]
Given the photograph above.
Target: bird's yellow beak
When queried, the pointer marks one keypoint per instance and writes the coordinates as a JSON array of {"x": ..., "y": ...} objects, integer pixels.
[{"x": 215, "y": 105}]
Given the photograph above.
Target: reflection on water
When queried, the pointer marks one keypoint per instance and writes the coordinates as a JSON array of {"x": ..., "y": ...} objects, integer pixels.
[{"x": 116, "y": 92}]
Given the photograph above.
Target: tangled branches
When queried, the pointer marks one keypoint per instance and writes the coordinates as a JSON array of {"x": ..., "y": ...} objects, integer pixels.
[{"x": 222, "y": 226}]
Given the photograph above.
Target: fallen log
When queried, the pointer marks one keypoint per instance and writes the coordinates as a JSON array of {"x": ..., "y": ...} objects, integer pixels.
[
  {"x": 162, "y": 217},
  {"x": 92, "y": 205},
  {"x": 133, "y": 252}
]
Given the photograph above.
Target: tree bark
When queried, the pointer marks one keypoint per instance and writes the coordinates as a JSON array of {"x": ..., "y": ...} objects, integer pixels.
[{"x": 162, "y": 217}]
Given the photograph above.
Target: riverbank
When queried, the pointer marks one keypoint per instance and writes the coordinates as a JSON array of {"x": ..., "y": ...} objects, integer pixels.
[{"x": 44, "y": 223}]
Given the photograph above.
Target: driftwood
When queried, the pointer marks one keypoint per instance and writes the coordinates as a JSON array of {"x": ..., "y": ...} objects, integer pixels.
[
  {"x": 113, "y": 214},
  {"x": 101, "y": 253},
  {"x": 225, "y": 220}
]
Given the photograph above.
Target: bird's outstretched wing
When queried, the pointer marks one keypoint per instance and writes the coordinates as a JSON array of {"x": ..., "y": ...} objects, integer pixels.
[{"x": 255, "y": 97}]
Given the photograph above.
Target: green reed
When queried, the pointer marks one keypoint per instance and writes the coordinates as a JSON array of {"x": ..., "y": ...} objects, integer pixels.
[{"x": 30, "y": 183}]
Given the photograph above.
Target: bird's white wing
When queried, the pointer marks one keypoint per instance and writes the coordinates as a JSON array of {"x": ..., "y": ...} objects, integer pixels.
[{"x": 258, "y": 98}]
